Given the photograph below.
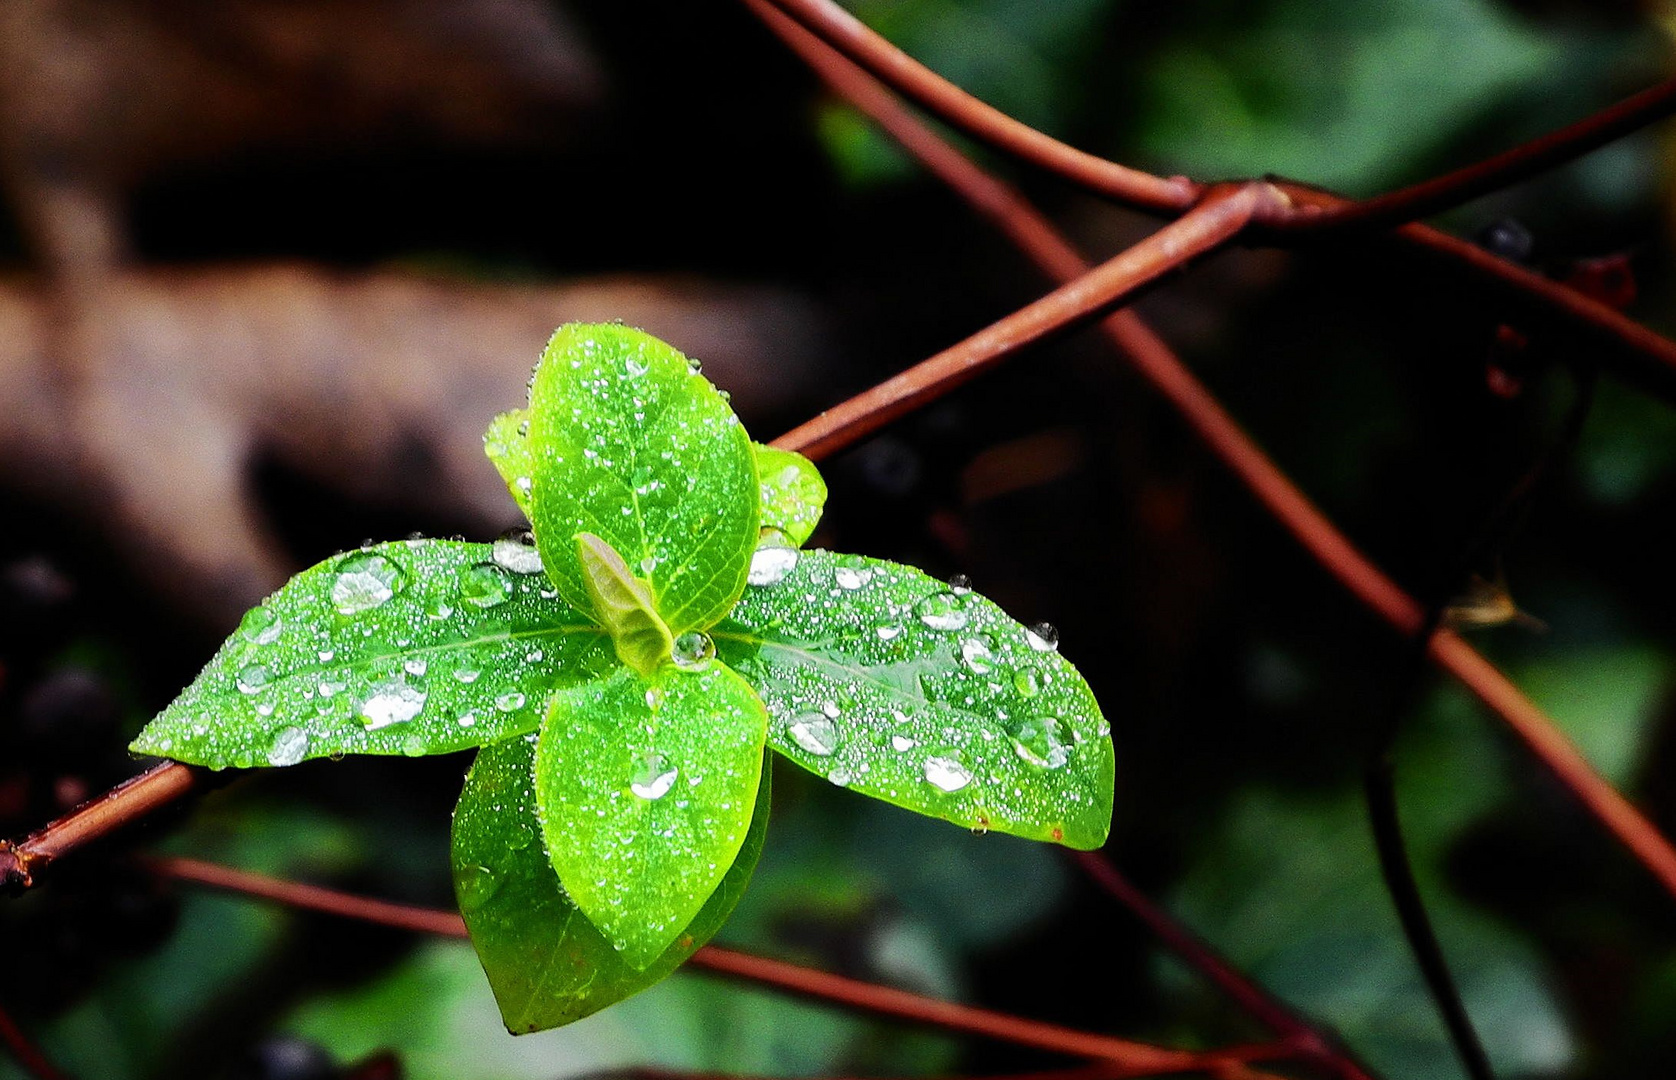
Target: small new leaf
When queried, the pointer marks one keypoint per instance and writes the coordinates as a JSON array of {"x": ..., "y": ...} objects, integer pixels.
[
  {"x": 415, "y": 647},
  {"x": 623, "y": 604},
  {"x": 883, "y": 679},
  {"x": 793, "y": 492},
  {"x": 629, "y": 443},
  {"x": 644, "y": 787},
  {"x": 546, "y": 963}
]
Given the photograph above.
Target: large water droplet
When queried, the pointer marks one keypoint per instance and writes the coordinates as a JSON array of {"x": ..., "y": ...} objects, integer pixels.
[
  {"x": 693, "y": 651},
  {"x": 901, "y": 743},
  {"x": 364, "y": 581},
  {"x": 289, "y": 745},
  {"x": 1037, "y": 740},
  {"x": 852, "y": 573},
  {"x": 941, "y": 611},
  {"x": 960, "y": 584},
  {"x": 977, "y": 654},
  {"x": 771, "y": 562},
  {"x": 260, "y": 626},
  {"x": 516, "y": 552},
  {"x": 888, "y": 632},
  {"x": 252, "y": 677},
  {"x": 466, "y": 675},
  {"x": 391, "y": 703},
  {"x": 653, "y": 776},
  {"x": 485, "y": 585},
  {"x": 815, "y": 732},
  {"x": 947, "y": 772},
  {"x": 1043, "y": 637},
  {"x": 475, "y": 885},
  {"x": 510, "y": 701}
]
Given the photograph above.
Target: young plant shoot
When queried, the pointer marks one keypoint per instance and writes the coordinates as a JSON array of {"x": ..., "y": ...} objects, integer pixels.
[{"x": 624, "y": 666}]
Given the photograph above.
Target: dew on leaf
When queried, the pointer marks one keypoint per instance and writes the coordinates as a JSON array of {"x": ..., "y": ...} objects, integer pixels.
[
  {"x": 977, "y": 654},
  {"x": 653, "y": 776},
  {"x": 485, "y": 585},
  {"x": 1043, "y": 637},
  {"x": 941, "y": 611},
  {"x": 693, "y": 651},
  {"x": 364, "y": 581},
  {"x": 960, "y": 584},
  {"x": 516, "y": 552},
  {"x": 288, "y": 746},
  {"x": 888, "y": 631},
  {"x": 840, "y": 777},
  {"x": 511, "y": 701},
  {"x": 438, "y": 608},
  {"x": 415, "y": 667},
  {"x": 901, "y": 743},
  {"x": 252, "y": 677},
  {"x": 947, "y": 772},
  {"x": 1027, "y": 682},
  {"x": 852, "y": 575},
  {"x": 475, "y": 885},
  {"x": 466, "y": 675},
  {"x": 260, "y": 626},
  {"x": 771, "y": 562},
  {"x": 391, "y": 703},
  {"x": 815, "y": 732},
  {"x": 1037, "y": 740}
]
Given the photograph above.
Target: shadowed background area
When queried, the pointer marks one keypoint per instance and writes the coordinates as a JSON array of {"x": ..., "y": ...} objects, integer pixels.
[{"x": 270, "y": 266}]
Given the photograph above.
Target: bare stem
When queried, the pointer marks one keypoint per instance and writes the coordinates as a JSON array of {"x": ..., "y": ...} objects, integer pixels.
[{"x": 25, "y": 1052}]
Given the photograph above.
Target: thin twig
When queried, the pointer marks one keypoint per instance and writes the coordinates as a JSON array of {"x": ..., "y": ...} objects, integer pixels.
[
  {"x": 25, "y": 1052},
  {"x": 1224, "y": 438},
  {"x": 819, "y": 985}
]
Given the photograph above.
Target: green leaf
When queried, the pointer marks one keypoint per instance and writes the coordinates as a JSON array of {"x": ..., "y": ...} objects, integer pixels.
[
  {"x": 793, "y": 493},
  {"x": 632, "y": 445},
  {"x": 885, "y": 680},
  {"x": 508, "y": 446},
  {"x": 414, "y": 647},
  {"x": 623, "y": 604},
  {"x": 548, "y": 965},
  {"x": 644, "y": 788}
]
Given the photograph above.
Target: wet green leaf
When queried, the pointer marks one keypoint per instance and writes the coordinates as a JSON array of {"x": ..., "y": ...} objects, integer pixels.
[
  {"x": 547, "y": 963},
  {"x": 508, "y": 446},
  {"x": 887, "y": 681},
  {"x": 623, "y": 604},
  {"x": 793, "y": 493},
  {"x": 629, "y": 444},
  {"x": 414, "y": 647},
  {"x": 644, "y": 787}
]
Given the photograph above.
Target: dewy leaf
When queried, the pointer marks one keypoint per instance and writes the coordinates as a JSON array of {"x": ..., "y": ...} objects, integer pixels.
[
  {"x": 631, "y": 444},
  {"x": 793, "y": 492},
  {"x": 414, "y": 647},
  {"x": 508, "y": 446},
  {"x": 623, "y": 604},
  {"x": 927, "y": 696},
  {"x": 548, "y": 965},
  {"x": 644, "y": 789}
]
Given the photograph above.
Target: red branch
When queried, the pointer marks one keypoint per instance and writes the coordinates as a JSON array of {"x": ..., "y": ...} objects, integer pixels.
[
  {"x": 1136, "y": 1057},
  {"x": 26, "y": 1053}
]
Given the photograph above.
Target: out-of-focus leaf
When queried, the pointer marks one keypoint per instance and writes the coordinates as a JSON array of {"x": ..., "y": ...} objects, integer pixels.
[
  {"x": 644, "y": 790},
  {"x": 508, "y": 446},
  {"x": 631, "y": 444},
  {"x": 547, "y": 963},
  {"x": 884, "y": 679}
]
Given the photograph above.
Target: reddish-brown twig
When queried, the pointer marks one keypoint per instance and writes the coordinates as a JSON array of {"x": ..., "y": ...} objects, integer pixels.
[
  {"x": 1223, "y": 436},
  {"x": 1204, "y": 229},
  {"x": 25, "y": 1052},
  {"x": 792, "y": 978}
]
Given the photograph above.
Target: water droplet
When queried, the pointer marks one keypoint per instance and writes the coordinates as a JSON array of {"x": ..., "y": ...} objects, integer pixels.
[
  {"x": 516, "y": 552},
  {"x": 485, "y": 585},
  {"x": 653, "y": 776},
  {"x": 636, "y": 366},
  {"x": 815, "y": 732},
  {"x": 438, "y": 608},
  {"x": 941, "y": 611},
  {"x": 1043, "y": 637},
  {"x": 947, "y": 773},
  {"x": 252, "y": 677},
  {"x": 888, "y": 632},
  {"x": 326, "y": 655},
  {"x": 1026, "y": 682},
  {"x": 466, "y": 675},
  {"x": 978, "y": 655},
  {"x": 772, "y": 561},
  {"x": 466, "y": 719},
  {"x": 511, "y": 701},
  {"x": 1037, "y": 740},
  {"x": 260, "y": 626},
  {"x": 852, "y": 574},
  {"x": 901, "y": 743},
  {"x": 391, "y": 703},
  {"x": 960, "y": 584},
  {"x": 695, "y": 366},
  {"x": 415, "y": 668},
  {"x": 364, "y": 581},
  {"x": 332, "y": 684},
  {"x": 840, "y": 777},
  {"x": 288, "y": 747},
  {"x": 654, "y": 697},
  {"x": 693, "y": 651},
  {"x": 475, "y": 885}
]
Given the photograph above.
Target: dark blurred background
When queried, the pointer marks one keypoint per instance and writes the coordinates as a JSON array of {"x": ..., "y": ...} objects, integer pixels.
[{"x": 271, "y": 266}]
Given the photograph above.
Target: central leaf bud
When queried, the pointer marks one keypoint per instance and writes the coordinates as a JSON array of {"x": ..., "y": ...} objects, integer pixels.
[{"x": 624, "y": 606}]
